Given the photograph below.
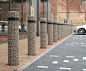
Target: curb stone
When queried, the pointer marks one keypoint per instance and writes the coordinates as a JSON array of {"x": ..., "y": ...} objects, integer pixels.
[{"x": 36, "y": 58}]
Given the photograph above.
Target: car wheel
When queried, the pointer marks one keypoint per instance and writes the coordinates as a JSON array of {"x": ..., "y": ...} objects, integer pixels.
[{"x": 81, "y": 31}]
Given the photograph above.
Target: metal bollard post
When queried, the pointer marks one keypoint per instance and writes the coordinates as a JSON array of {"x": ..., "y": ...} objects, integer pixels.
[
  {"x": 55, "y": 31},
  {"x": 43, "y": 32},
  {"x": 31, "y": 35},
  {"x": 50, "y": 32},
  {"x": 13, "y": 38}
]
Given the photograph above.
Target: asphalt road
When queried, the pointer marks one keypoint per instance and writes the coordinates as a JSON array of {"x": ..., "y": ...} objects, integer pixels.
[{"x": 70, "y": 55}]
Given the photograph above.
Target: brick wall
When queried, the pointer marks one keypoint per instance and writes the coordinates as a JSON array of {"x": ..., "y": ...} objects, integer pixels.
[
  {"x": 74, "y": 7},
  {"x": 14, "y": 7}
]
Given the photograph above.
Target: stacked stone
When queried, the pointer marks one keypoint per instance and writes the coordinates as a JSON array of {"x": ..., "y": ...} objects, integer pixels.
[
  {"x": 59, "y": 30},
  {"x": 43, "y": 32},
  {"x": 50, "y": 32},
  {"x": 71, "y": 29},
  {"x": 63, "y": 30},
  {"x": 66, "y": 30},
  {"x": 13, "y": 38},
  {"x": 55, "y": 31},
  {"x": 31, "y": 35}
]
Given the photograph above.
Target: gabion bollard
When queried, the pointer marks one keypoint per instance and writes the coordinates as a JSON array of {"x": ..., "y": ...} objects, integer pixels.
[
  {"x": 66, "y": 29},
  {"x": 31, "y": 35},
  {"x": 55, "y": 31},
  {"x": 13, "y": 38},
  {"x": 62, "y": 30},
  {"x": 59, "y": 30},
  {"x": 43, "y": 32},
  {"x": 71, "y": 29},
  {"x": 50, "y": 32}
]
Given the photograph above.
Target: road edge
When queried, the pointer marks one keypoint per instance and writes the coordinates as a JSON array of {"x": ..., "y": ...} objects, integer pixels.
[{"x": 36, "y": 58}]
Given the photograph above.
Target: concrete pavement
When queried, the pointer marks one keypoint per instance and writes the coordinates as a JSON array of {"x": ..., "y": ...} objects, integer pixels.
[{"x": 70, "y": 55}]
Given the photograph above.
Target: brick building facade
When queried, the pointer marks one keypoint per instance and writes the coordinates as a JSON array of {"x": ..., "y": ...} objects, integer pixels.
[{"x": 71, "y": 10}]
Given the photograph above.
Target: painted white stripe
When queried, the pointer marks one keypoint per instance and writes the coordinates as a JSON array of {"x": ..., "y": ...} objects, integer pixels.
[
  {"x": 36, "y": 58},
  {"x": 66, "y": 61},
  {"x": 77, "y": 43},
  {"x": 76, "y": 60},
  {"x": 65, "y": 68},
  {"x": 66, "y": 44},
  {"x": 70, "y": 56},
  {"x": 42, "y": 66},
  {"x": 54, "y": 62},
  {"x": 84, "y": 58},
  {"x": 82, "y": 43},
  {"x": 84, "y": 69},
  {"x": 53, "y": 55}
]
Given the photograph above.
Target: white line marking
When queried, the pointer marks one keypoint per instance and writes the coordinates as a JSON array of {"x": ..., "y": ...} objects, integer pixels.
[
  {"x": 77, "y": 43},
  {"x": 84, "y": 69},
  {"x": 66, "y": 44},
  {"x": 66, "y": 61},
  {"x": 70, "y": 56},
  {"x": 42, "y": 66},
  {"x": 36, "y": 58},
  {"x": 53, "y": 55},
  {"x": 76, "y": 60},
  {"x": 65, "y": 68},
  {"x": 83, "y": 45},
  {"x": 84, "y": 58},
  {"x": 54, "y": 62}
]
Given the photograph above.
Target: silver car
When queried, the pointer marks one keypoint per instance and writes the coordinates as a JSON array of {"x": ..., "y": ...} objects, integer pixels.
[
  {"x": 4, "y": 27},
  {"x": 80, "y": 29}
]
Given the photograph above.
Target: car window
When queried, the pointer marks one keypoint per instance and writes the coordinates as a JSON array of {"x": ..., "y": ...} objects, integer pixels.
[{"x": 3, "y": 23}]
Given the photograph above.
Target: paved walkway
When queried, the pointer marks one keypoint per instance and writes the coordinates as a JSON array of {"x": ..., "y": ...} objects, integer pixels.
[
  {"x": 70, "y": 55},
  {"x": 23, "y": 57}
]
